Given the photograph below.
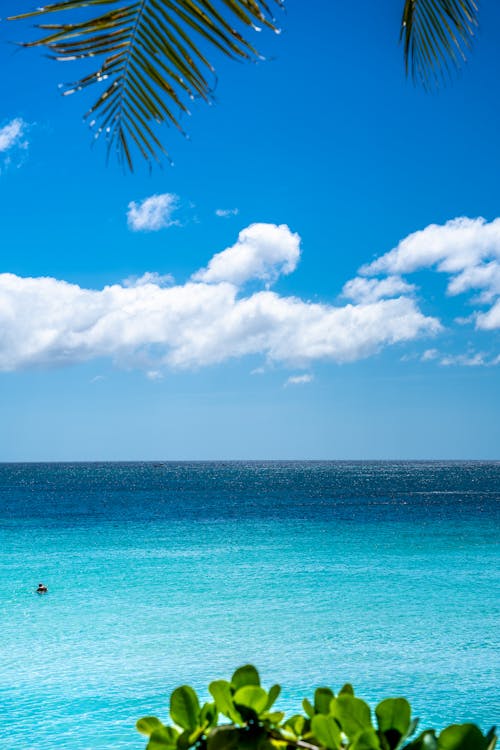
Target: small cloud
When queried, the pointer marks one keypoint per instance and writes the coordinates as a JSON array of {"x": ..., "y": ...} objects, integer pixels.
[
  {"x": 465, "y": 360},
  {"x": 150, "y": 277},
  {"x": 225, "y": 213},
  {"x": 299, "y": 380},
  {"x": 468, "y": 359},
  {"x": 97, "y": 378},
  {"x": 12, "y": 135},
  {"x": 365, "y": 290},
  {"x": 154, "y": 375},
  {"x": 258, "y": 371},
  {"x": 152, "y": 213},
  {"x": 13, "y": 143}
]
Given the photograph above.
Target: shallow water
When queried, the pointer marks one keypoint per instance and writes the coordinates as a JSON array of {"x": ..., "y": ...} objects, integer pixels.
[{"x": 382, "y": 574}]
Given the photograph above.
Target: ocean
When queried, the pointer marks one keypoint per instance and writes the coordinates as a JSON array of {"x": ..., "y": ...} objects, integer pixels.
[{"x": 383, "y": 574}]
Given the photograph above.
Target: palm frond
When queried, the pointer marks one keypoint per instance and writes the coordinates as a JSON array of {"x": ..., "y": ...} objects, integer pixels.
[
  {"x": 437, "y": 36},
  {"x": 150, "y": 60}
]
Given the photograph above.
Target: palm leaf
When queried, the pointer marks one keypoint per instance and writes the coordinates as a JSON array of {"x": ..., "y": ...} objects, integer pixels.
[
  {"x": 150, "y": 59},
  {"x": 436, "y": 36}
]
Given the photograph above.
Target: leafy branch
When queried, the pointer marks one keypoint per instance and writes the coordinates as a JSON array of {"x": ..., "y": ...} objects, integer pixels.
[
  {"x": 436, "y": 36},
  {"x": 329, "y": 722},
  {"x": 151, "y": 62}
]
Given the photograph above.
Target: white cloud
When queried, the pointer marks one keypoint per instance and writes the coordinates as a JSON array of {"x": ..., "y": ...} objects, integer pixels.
[
  {"x": 468, "y": 250},
  {"x": 429, "y": 355},
  {"x": 299, "y": 380},
  {"x": 48, "y": 322},
  {"x": 149, "y": 277},
  {"x": 154, "y": 375},
  {"x": 263, "y": 251},
  {"x": 225, "y": 213},
  {"x": 453, "y": 247},
  {"x": 490, "y": 320},
  {"x": 12, "y": 135},
  {"x": 484, "y": 277},
  {"x": 152, "y": 213},
  {"x": 465, "y": 360},
  {"x": 13, "y": 144},
  {"x": 361, "y": 289}
]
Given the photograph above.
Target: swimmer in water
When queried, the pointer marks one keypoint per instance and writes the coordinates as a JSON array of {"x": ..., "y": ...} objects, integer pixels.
[{"x": 42, "y": 589}]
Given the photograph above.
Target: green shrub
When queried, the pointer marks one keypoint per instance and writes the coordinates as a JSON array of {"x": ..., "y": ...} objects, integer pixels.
[{"x": 249, "y": 722}]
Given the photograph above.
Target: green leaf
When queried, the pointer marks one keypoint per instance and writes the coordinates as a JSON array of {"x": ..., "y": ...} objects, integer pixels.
[
  {"x": 491, "y": 738},
  {"x": 187, "y": 739},
  {"x": 352, "y": 713},
  {"x": 411, "y": 729},
  {"x": 393, "y": 718},
  {"x": 425, "y": 741},
  {"x": 275, "y": 717},
  {"x": 326, "y": 731},
  {"x": 296, "y": 725},
  {"x": 223, "y": 697},
  {"x": 308, "y": 708},
  {"x": 322, "y": 698},
  {"x": 346, "y": 689},
  {"x": 147, "y": 724},
  {"x": 462, "y": 737},
  {"x": 272, "y": 696},
  {"x": 366, "y": 740},
  {"x": 246, "y": 675},
  {"x": 223, "y": 738},
  {"x": 208, "y": 715},
  {"x": 185, "y": 707},
  {"x": 252, "y": 697},
  {"x": 163, "y": 738}
]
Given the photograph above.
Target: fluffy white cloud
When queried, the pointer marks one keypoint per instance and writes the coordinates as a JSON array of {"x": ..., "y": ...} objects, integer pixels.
[
  {"x": 263, "y": 251},
  {"x": 225, "y": 213},
  {"x": 489, "y": 321},
  {"x": 152, "y": 213},
  {"x": 12, "y": 135},
  {"x": 484, "y": 277},
  {"x": 453, "y": 247},
  {"x": 48, "y": 322},
  {"x": 299, "y": 379},
  {"x": 468, "y": 250},
  {"x": 361, "y": 289}
]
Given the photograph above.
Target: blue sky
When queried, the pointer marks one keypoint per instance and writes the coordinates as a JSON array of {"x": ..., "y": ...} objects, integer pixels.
[{"x": 336, "y": 158}]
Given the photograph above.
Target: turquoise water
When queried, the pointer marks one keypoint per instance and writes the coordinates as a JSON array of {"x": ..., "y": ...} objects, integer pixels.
[{"x": 382, "y": 574}]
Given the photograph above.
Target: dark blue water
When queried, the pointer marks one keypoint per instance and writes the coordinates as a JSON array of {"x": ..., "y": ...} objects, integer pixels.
[{"x": 382, "y": 574}]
